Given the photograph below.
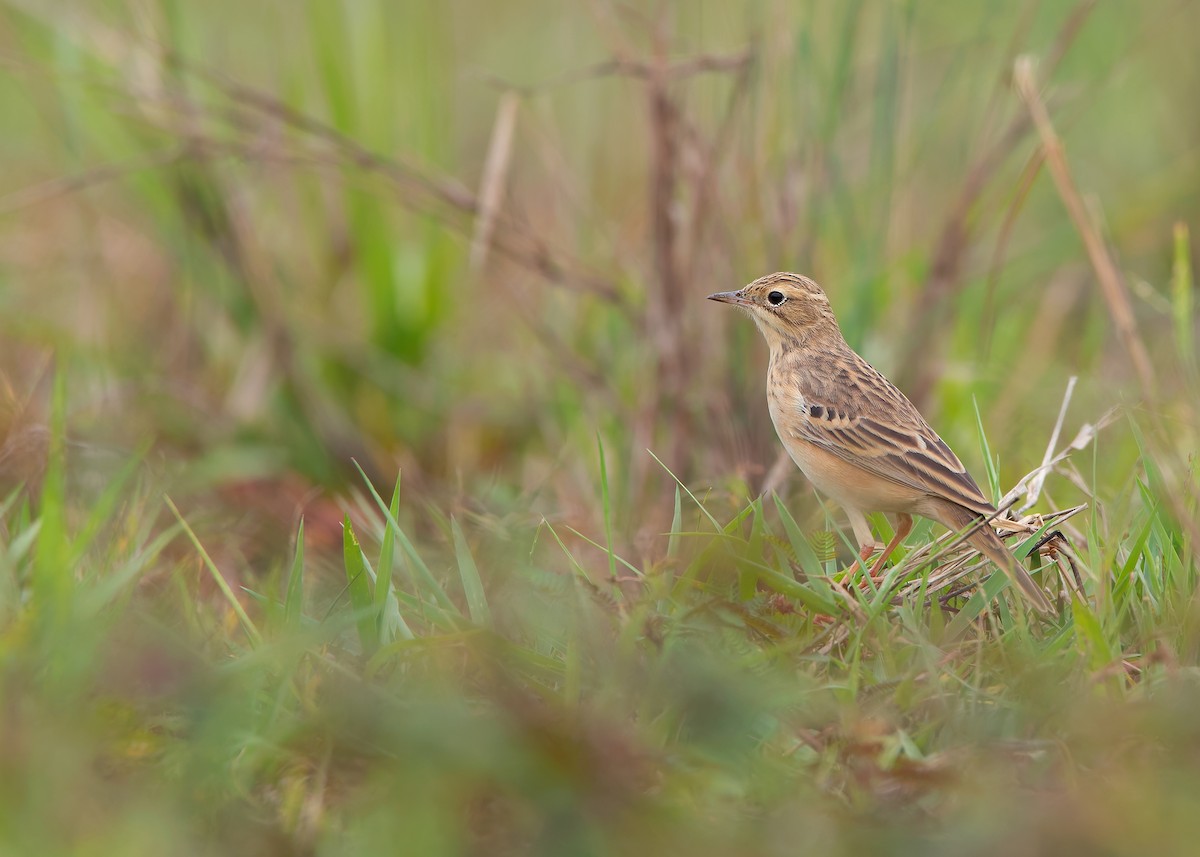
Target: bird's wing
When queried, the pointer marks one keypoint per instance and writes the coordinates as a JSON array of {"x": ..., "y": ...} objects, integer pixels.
[{"x": 878, "y": 429}]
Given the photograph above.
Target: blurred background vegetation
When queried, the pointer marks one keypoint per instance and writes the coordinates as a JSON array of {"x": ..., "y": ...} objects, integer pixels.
[{"x": 249, "y": 248}]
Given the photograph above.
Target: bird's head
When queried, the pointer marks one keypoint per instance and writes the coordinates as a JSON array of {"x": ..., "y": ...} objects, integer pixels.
[{"x": 788, "y": 308}]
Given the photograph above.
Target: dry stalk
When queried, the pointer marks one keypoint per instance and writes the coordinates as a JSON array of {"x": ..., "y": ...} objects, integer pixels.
[
  {"x": 1116, "y": 296},
  {"x": 1038, "y": 479},
  {"x": 677, "y": 232},
  {"x": 905, "y": 576},
  {"x": 961, "y": 564},
  {"x": 45, "y": 191},
  {"x": 495, "y": 172},
  {"x": 681, "y": 155}
]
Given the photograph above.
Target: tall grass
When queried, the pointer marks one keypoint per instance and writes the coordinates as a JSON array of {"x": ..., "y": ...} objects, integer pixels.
[
  {"x": 237, "y": 296},
  {"x": 517, "y": 705}
]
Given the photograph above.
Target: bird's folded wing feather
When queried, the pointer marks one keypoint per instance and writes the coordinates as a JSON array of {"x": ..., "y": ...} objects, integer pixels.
[{"x": 900, "y": 446}]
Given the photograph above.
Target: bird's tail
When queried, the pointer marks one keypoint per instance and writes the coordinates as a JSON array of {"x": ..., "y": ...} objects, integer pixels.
[{"x": 985, "y": 540}]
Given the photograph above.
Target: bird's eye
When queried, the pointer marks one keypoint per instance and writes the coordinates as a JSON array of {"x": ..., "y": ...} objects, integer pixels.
[{"x": 775, "y": 298}]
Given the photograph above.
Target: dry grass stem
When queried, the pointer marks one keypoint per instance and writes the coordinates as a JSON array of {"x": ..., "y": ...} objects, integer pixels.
[
  {"x": 495, "y": 172},
  {"x": 945, "y": 574},
  {"x": 1116, "y": 296},
  {"x": 1039, "y": 478}
]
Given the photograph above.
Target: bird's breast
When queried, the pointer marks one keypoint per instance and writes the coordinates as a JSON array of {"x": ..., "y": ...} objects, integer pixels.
[
  {"x": 785, "y": 403},
  {"x": 785, "y": 391}
]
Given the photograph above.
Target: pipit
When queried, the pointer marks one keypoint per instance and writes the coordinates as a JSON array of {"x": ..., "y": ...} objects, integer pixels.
[{"x": 856, "y": 437}]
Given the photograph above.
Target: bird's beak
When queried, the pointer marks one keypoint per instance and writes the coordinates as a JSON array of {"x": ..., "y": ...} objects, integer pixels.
[{"x": 734, "y": 298}]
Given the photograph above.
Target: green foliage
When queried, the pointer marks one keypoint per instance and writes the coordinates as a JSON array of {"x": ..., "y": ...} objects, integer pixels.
[
  {"x": 234, "y": 262},
  {"x": 696, "y": 712}
]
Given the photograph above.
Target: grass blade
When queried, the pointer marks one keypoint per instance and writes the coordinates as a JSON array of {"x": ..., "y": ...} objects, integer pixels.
[
  {"x": 251, "y": 630},
  {"x": 53, "y": 580},
  {"x": 387, "y": 549},
  {"x": 423, "y": 574},
  {"x": 293, "y": 601},
  {"x": 1182, "y": 288},
  {"x": 989, "y": 463},
  {"x": 676, "y": 525},
  {"x": 607, "y": 507},
  {"x": 360, "y": 588},
  {"x": 472, "y": 586}
]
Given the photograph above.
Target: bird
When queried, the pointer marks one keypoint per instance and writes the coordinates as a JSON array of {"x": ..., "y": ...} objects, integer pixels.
[{"x": 855, "y": 436}]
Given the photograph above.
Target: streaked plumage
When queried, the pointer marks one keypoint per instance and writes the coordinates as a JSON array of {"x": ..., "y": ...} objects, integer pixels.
[{"x": 856, "y": 437}]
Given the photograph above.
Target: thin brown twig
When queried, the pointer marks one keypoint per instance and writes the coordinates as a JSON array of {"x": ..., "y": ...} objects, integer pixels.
[
  {"x": 36, "y": 194},
  {"x": 522, "y": 246},
  {"x": 633, "y": 68},
  {"x": 516, "y": 242},
  {"x": 1037, "y": 481},
  {"x": 664, "y": 317},
  {"x": 689, "y": 67}
]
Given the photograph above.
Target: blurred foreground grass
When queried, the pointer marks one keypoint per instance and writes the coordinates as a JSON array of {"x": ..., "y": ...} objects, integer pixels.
[{"x": 246, "y": 246}]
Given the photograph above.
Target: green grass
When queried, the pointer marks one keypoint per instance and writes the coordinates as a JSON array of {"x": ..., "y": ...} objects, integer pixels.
[
  {"x": 236, "y": 300},
  {"x": 728, "y": 701}
]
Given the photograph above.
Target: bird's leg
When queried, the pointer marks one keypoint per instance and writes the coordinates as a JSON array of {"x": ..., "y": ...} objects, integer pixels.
[
  {"x": 862, "y": 532},
  {"x": 904, "y": 525}
]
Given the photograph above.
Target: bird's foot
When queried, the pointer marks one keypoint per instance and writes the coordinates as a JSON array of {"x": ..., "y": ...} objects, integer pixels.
[{"x": 875, "y": 570}]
